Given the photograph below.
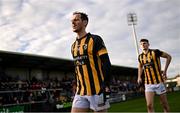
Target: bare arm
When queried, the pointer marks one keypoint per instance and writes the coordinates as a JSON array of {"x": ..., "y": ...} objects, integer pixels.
[
  {"x": 168, "y": 60},
  {"x": 140, "y": 70}
]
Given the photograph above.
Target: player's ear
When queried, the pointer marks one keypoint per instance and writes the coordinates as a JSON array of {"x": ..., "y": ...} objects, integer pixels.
[{"x": 85, "y": 22}]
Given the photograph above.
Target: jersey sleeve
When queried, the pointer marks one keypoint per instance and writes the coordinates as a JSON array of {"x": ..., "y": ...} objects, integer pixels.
[
  {"x": 100, "y": 47},
  {"x": 106, "y": 67},
  {"x": 158, "y": 52}
]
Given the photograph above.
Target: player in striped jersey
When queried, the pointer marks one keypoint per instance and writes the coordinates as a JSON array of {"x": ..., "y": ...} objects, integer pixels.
[
  {"x": 149, "y": 61},
  {"x": 92, "y": 68}
]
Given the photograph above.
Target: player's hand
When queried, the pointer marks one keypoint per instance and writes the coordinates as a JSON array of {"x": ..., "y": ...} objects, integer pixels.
[
  {"x": 139, "y": 80},
  {"x": 107, "y": 89},
  {"x": 107, "y": 92},
  {"x": 164, "y": 75}
]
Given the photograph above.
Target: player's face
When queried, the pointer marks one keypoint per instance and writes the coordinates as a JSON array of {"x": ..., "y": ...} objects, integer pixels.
[
  {"x": 77, "y": 23},
  {"x": 144, "y": 45}
]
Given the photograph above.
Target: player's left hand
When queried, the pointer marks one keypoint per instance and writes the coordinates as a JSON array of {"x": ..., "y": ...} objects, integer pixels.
[
  {"x": 107, "y": 89},
  {"x": 107, "y": 92},
  {"x": 164, "y": 75}
]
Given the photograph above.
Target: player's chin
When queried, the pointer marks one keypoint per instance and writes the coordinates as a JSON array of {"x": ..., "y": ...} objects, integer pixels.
[{"x": 74, "y": 30}]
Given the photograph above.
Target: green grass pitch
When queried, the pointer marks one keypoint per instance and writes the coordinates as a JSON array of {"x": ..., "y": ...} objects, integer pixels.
[{"x": 139, "y": 104}]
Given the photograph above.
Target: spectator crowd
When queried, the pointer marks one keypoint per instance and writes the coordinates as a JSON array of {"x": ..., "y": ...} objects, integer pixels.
[{"x": 16, "y": 91}]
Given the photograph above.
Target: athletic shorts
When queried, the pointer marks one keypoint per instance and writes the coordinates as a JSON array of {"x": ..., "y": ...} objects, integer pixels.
[
  {"x": 94, "y": 102},
  {"x": 157, "y": 88}
]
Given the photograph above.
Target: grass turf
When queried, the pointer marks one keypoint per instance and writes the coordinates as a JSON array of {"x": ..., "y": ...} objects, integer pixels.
[{"x": 139, "y": 104}]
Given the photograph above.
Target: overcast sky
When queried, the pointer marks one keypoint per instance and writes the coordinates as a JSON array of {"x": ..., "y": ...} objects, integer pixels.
[{"x": 43, "y": 27}]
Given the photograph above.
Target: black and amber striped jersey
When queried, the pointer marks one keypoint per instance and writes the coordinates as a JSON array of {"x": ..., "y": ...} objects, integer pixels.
[
  {"x": 86, "y": 53},
  {"x": 152, "y": 66}
]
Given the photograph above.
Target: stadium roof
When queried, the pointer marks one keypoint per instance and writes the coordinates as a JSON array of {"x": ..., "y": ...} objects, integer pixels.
[{"x": 15, "y": 59}]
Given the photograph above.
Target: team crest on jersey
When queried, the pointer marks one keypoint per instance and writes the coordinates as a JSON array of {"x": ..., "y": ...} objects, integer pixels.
[{"x": 85, "y": 46}]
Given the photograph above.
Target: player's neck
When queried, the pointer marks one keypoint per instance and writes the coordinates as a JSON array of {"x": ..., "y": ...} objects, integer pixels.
[
  {"x": 145, "y": 51},
  {"x": 81, "y": 34}
]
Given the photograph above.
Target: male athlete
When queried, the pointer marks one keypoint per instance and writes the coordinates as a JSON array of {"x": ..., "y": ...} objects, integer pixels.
[
  {"x": 92, "y": 68},
  {"x": 149, "y": 61}
]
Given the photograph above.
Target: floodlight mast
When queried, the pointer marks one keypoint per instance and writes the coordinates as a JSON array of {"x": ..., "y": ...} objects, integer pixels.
[{"x": 132, "y": 21}]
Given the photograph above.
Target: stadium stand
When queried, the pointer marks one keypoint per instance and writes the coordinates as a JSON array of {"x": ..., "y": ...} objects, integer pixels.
[{"x": 31, "y": 83}]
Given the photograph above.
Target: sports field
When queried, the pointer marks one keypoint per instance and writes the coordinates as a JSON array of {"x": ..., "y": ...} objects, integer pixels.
[{"x": 139, "y": 104}]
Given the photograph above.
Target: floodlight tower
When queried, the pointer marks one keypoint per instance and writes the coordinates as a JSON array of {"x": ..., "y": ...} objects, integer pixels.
[{"x": 132, "y": 21}]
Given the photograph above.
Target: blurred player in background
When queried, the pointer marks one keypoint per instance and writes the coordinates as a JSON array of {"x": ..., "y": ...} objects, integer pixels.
[{"x": 149, "y": 61}]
